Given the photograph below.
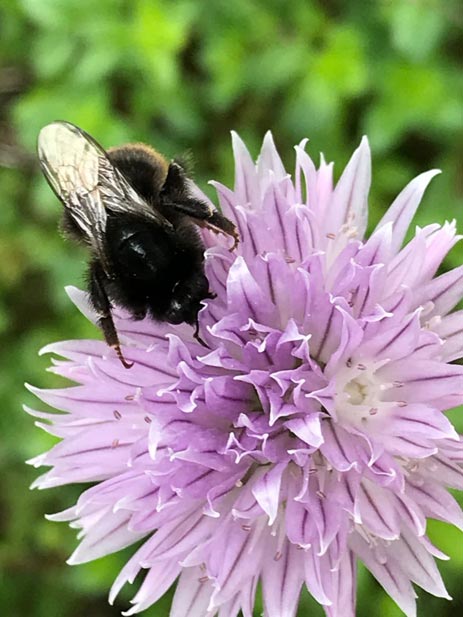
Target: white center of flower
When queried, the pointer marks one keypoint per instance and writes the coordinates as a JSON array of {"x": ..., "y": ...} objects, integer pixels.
[{"x": 358, "y": 393}]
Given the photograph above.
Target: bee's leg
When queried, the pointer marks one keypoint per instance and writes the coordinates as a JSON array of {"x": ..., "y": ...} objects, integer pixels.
[
  {"x": 196, "y": 334},
  {"x": 175, "y": 195},
  {"x": 206, "y": 216},
  {"x": 217, "y": 223},
  {"x": 102, "y": 305},
  {"x": 174, "y": 184},
  {"x": 109, "y": 332}
]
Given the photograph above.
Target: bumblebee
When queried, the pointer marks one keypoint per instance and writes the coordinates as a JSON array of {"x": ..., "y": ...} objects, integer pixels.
[{"x": 138, "y": 215}]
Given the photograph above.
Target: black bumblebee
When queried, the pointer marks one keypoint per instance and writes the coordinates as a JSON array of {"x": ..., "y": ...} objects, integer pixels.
[{"x": 137, "y": 214}]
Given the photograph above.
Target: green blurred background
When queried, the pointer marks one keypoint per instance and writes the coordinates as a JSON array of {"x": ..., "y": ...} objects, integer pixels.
[{"x": 180, "y": 75}]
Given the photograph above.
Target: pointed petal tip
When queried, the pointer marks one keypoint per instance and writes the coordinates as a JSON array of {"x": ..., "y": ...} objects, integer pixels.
[
  {"x": 323, "y": 162},
  {"x": 72, "y": 290},
  {"x": 268, "y": 138},
  {"x": 76, "y": 559},
  {"x": 31, "y": 388},
  {"x": 116, "y": 587},
  {"x": 244, "y": 164},
  {"x": 42, "y": 482},
  {"x": 364, "y": 142},
  {"x": 32, "y": 462},
  {"x": 66, "y": 516},
  {"x": 426, "y": 176},
  {"x": 46, "y": 349},
  {"x": 237, "y": 142},
  {"x": 302, "y": 144},
  {"x": 363, "y": 151},
  {"x": 132, "y": 611}
]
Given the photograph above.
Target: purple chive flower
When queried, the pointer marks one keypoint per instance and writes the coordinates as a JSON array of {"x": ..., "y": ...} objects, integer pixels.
[{"x": 313, "y": 432}]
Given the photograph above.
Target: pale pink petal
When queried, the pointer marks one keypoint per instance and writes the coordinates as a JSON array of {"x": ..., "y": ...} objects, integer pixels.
[
  {"x": 192, "y": 594},
  {"x": 282, "y": 581},
  {"x": 404, "y": 207},
  {"x": 444, "y": 292},
  {"x": 343, "y": 588},
  {"x": 246, "y": 185},
  {"x": 349, "y": 203},
  {"x": 104, "y": 535},
  {"x": 267, "y": 491},
  {"x": 387, "y": 574},
  {"x": 157, "y": 581}
]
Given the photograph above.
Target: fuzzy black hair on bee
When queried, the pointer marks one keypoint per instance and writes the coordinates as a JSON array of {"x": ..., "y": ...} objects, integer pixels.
[{"x": 138, "y": 216}]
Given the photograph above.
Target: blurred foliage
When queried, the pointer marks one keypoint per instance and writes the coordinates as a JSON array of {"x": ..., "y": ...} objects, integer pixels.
[{"x": 180, "y": 74}]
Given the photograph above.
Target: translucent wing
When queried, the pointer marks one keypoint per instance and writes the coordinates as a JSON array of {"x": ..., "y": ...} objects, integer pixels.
[{"x": 80, "y": 173}]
